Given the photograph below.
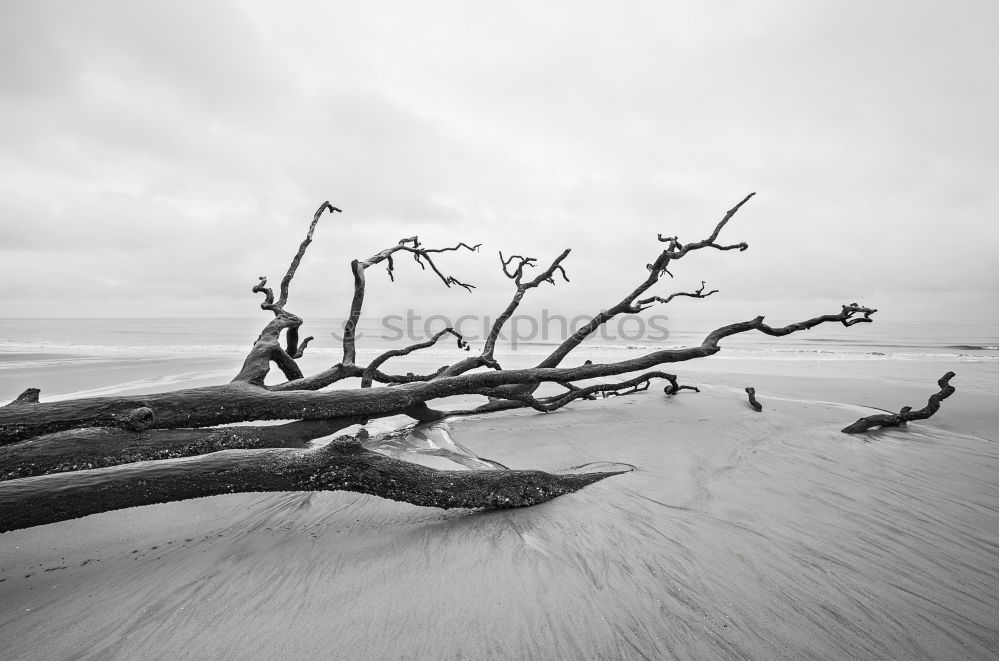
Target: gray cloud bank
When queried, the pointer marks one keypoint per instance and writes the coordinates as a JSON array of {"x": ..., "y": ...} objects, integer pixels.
[{"x": 157, "y": 157}]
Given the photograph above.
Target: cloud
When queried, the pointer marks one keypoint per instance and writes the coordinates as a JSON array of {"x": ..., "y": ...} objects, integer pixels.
[{"x": 163, "y": 156}]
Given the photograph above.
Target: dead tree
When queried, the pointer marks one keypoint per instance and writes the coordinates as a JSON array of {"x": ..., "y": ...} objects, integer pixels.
[
  {"x": 67, "y": 447},
  {"x": 906, "y": 414}
]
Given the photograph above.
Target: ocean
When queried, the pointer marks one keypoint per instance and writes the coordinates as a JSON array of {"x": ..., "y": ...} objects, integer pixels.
[{"x": 90, "y": 357}]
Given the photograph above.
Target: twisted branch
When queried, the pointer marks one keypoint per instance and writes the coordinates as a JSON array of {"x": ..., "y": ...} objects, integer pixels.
[
  {"x": 267, "y": 348},
  {"x": 906, "y": 414},
  {"x": 646, "y": 303},
  {"x": 369, "y": 373},
  {"x": 628, "y": 387},
  {"x": 420, "y": 255},
  {"x": 486, "y": 357}
]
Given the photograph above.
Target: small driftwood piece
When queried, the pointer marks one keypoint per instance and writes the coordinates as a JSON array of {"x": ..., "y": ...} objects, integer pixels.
[
  {"x": 752, "y": 396},
  {"x": 905, "y": 414},
  {"x": 673, "y": 388}
]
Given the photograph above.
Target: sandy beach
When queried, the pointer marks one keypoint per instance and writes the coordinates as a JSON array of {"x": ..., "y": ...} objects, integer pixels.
[
  {"x": 740, "y": 535},
  {"x": 215, "y": 218}
]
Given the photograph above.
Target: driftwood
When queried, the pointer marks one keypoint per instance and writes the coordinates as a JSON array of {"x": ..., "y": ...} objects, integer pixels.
[
  {"x": 80, "y": 440},
  {"x": 752, "y": 396},
  {"x": 906, "y": 414},
  {"x": 342, "y": 465}
]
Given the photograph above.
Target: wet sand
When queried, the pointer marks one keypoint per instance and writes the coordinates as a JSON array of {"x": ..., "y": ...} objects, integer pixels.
[
  {"x": 741, "y": 535},
  {"x": 65, "y": 376}
]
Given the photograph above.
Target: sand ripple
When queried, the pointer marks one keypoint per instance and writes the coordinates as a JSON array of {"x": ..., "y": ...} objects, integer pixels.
[{"x": 768, "y": 536}]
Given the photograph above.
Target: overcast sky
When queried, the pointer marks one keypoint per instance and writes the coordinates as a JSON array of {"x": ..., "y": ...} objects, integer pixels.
[{"x": 158, "y": 156}]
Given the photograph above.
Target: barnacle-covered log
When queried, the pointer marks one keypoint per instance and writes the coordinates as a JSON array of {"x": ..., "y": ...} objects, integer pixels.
[{"x": 342, "y": 465}]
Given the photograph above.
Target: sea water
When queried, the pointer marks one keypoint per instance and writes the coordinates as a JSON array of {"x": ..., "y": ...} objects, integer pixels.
[{"x": 88, "y": 357}]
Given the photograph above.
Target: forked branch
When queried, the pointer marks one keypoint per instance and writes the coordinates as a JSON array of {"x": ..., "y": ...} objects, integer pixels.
[
  {"x": 486, "y": 358},
  {"x": 627, "y": 387},
  {"x": 420, "y": 254},
  {"x": 657, "y": 269}
]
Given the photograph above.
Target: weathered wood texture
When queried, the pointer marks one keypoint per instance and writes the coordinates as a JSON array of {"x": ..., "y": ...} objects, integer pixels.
[{"x": 343, "y": 465}]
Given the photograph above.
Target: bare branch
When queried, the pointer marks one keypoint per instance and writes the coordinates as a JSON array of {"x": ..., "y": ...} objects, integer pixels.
[
  {"x": 646, "y": 303},
  {"x": 339, "y": 372},
  {"x": 287, "y": 280},
  {"x": 452, "y": 280},
  {"x": 523, "y": 262},
  {"x": 544, "y": 276},
  {"x": 267, "y": 348},
  {"x": 460, "y": 244},
  {"x": 486, "y": 359},
  {"x": 261, "y": 286},
  {"x": 846, "y": 317},
  {"x": 420, "y": 255},
  {"x": 675, "y": 387},
  {"x": 292, "y": 350},
  {"x": 368, "y": 375},
  {"x": 425, "y": 254},
  {"x": 622, "y": 392},
  {"x": 628, "y": 387},
  {"x": 320, "y": 380},
  {"x": 854, "y": 307},
  {"x": 657, "y": 269}
]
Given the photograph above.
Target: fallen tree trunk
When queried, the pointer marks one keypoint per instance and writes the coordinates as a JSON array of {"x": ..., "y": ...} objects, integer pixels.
[
  {"x": 342, "y": 465},
  {"x": 906, "y": 414},
  {"x": 38, "y": 438},
  {"x": 100, "y": 447}
]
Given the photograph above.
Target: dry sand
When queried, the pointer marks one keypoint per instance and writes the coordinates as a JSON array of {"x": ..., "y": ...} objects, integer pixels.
[{"x": 741, "y": 535}]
